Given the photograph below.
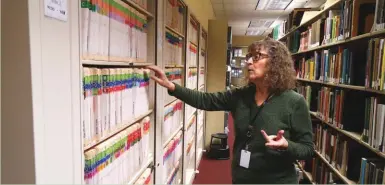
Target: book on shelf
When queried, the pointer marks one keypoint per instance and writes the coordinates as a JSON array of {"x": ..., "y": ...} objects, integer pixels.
[
  {"x": 375, "y": 67},
  {"x": 373, "y": 131},
  {"x": 372, "y": 171},
  {"x": 330, "y": 66},
  {"x": 119, "y": 158},
  {"x": 379, "y": 17},
  {"x": 112, "y": 30}
]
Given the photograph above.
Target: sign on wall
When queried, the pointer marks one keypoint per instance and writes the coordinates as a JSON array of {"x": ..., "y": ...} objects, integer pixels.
[{"x": 56, "y": 9}]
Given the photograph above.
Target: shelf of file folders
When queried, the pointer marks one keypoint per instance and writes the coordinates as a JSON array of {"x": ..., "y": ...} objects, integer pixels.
[
  {"x": 192, "y": 79},
  {"x": 173, "y": 50},
  {"x": 201, "y": 79},
  {"x": 192, "y": 55},
  {"x": 172, "y": 154},
  {"x": 200, "y": 125},
  {"x": 202, "y": 58},
  {"x": 189, "y": 161},
  {"x": 190, "y": 112},
  {"x": 123, "y": 158},
  {"x": 190, "y": 132},
  {"x": 175, "y": 15},
  {"x": 113, "y": 99},
  {"x": 173, "y": 121},
  {"x": 174, "y": 75},
  {"x": 193, "y": 32},
  {"x": 118, "y": 36}
]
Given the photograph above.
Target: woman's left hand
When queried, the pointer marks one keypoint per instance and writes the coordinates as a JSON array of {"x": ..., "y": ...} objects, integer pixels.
[{"x": 275, "y": 141}]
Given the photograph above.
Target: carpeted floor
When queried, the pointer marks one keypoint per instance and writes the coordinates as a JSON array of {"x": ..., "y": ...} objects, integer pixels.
[{"x": 216, "y": 171}]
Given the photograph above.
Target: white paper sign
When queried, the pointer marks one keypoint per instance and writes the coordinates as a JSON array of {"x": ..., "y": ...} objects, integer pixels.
[{"x": 56, "y": 9}]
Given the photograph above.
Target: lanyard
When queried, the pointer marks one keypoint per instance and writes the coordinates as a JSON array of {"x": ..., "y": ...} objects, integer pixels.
[{"x": 250, "y": 129}]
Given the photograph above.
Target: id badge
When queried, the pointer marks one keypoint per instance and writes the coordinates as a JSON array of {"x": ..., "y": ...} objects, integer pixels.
[{"x": 245, "y": 159}]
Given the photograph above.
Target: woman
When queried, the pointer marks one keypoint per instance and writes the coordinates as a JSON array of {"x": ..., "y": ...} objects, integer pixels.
[{"x": 272, "y": 122}]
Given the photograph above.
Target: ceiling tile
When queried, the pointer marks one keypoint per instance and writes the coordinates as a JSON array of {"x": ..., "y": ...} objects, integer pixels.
[
  {"x": 239, "y": 23},
  {"x": 243, "y": 15},
  {"x": 239, "y": 13},
  {"x": 240, "y": 7},
  {"x": 220, "y": 12},
  {"x": 239, "y": 32}
]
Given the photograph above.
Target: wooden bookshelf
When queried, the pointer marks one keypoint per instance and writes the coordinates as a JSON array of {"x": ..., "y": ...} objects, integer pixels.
[
  {"x": 352, "y": 135},
  {"x": 342, "y": 177},
  {"x": 305, "y": 173},
  {"x": 345, "y": 41},
  {"x": 351, "y": 87},
  {"x": 335, "y": 57}
]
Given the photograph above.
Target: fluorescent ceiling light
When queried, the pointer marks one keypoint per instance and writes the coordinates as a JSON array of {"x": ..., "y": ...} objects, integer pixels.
[
  {"x": 273, "y": 4},
  {"x": 255, "y": 32},
  {"x": 261, "y": 23}
]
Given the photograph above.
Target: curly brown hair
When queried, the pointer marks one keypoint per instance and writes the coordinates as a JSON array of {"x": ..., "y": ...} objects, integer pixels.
[{"x": 280, "y": 74}]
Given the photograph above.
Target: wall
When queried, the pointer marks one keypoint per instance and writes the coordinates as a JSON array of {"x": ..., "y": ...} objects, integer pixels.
[
  {"x": 202, "y": 10},
  {"x": 216, "y": 73},
  {"x": 40, "y": 76},
  {"x": 245, "y": 40},
  {"x": 17, "y": 159}
]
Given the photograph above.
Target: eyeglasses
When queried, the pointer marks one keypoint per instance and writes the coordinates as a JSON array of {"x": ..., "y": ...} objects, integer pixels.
[{"x": 256, "y": 57}]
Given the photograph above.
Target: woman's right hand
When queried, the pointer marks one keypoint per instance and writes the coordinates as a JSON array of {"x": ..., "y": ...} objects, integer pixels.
[{"x": 161, "y": 78}]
